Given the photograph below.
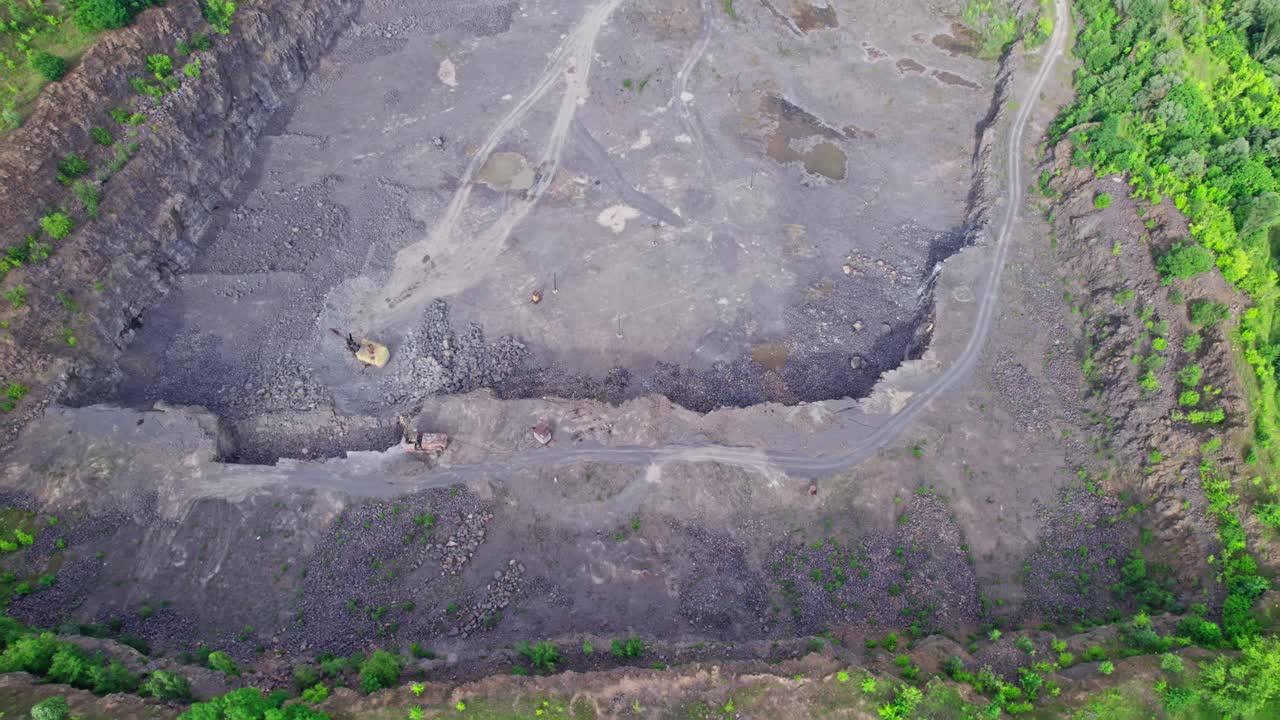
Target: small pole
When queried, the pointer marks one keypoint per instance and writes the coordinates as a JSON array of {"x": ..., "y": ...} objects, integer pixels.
[
  {"x": 619, "y": 320},
  {"x": 555, "y": 288}
]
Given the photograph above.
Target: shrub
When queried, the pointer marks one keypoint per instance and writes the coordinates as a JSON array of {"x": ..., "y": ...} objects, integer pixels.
[
  {"x": 381, "y": 670},
  {"x": 54, "y": 708},
  {"x": 316, "y": 693},
  {"x": 1189, "y": 398},
  {"x": 160, "y": 65},
  {"x": 167, "y": 686},
  {"x": 1102, "y": 201},
  {"x": 87, "y": 194},
  {"x": 192, "y": 69},
  {"x": 1106, "y": 667},
  {"x": 102, "y": 136},
  {"x": 250, "y": 704},
  {"x": 71, "y": 167},
  {"x": 305, "y": 675},
  {"x": 1171, "y": 663},
  {"x": 94, "y": 15},
  {"x": 219, "y": 14},
  {"x": 201, "y": 41},
  {"x": 49, "y": 66},
  {"x": 890, "y": 642},
  {"x": 416, "y": 650},
  {"x": 627, "y": 649},
  {"x": 32, "y": 653},
  {"x": 542, "y": 656},
  {"x": 1268, "y": 514},
  {"x": 1206, "y": 313},
  {"x": 1024, "y": 644},
  {"x": 69, "y": 666},
  {"x": 1191, "y": 375},
  {"x": 223, "y": 663},
  {"x": 1184, "y": 261},
  {"x": 1242, "y": 686},
  {"x": 113, "y": 678},
  {"x": 17, "y": 296},
  {"x": 1094, "y": 653}
]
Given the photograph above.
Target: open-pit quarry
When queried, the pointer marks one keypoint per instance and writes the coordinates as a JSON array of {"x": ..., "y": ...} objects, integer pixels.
[{"x": 765, "y": 271}]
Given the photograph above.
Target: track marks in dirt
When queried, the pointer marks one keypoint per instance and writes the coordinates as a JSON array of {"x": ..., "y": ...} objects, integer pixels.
[{"x": 459, "y": 256}]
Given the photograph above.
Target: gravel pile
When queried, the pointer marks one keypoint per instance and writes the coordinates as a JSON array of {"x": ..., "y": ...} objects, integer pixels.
[
  {"x": 388, "y": 570},
  {"x": 507, "y": 585},
  {"x": 917, "y": 576}
]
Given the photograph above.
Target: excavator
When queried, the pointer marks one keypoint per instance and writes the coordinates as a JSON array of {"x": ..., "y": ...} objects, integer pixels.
[{"x": 370, "y": 353}]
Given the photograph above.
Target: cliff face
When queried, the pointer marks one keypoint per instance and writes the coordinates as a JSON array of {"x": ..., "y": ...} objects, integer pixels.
[{"x": 193, "y": 149}]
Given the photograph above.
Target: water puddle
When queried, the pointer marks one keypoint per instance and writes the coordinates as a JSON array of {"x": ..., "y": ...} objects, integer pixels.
[
  {"x": 505, "y": 171},
  {"x": 794, "y": 136},
  {"x": 810, "y": 17},
  {"x": 961, "y": 41},
  {"x": 947, "y": 78},
  {"x": 772, "y": 356},
  {"x": 907, "y": 65}
]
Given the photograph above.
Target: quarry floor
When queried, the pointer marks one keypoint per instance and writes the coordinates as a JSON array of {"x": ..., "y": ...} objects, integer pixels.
[
  {"x": 723, "y": 210},
  {"x": 725, "y": 533}
]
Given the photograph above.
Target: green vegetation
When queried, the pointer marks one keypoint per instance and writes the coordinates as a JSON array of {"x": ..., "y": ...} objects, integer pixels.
[
  {"x": 167, "y": 686},
  {"x": 223, "y": 663},
  {"x": 54, "y": 708},
  {"x": 50, "y": 66},
  {"x": 1184, "y": 261},
  {"x": 251, "y": 704},
  {"x": 1181, "y": 96},
  {"x": 56, "y": 225},
  {"x": 628, "y": 649},
  {"x": 542, "y": 656},
  {"x": 381, "y": 670},
  {"x": 996, "y": 25},
  {"x": 1102, "y": 201},
  {"x": 218, "y": 14}
]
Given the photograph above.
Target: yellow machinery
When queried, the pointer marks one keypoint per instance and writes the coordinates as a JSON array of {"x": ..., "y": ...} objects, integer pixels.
[
  {"x": 366, "y": 351},
  {"x": 372, "y": 353}
]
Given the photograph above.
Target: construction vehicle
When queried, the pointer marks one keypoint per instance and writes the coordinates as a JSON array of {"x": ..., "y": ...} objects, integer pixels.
[
  {"x": 429, "y": 444},
  {"x": 367, "y": 351}
]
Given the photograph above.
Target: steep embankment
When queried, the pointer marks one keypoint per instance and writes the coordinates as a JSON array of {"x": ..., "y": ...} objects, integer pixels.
[{"x": 183, "y": 153}]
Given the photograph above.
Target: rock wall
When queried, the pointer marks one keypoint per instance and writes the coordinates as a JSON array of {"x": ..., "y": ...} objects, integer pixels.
[{"x": 193, "y": 150}]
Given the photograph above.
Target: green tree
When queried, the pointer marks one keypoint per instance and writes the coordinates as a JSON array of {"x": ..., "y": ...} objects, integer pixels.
[
  {"x": 69, "y": 666},
  {"x": 380, "y": 670},
  {"x": 112, "y": 678},
  {"x": 223, "y": 663},
  {"x": 219, "y": 14},
  {"x": 1242, "y": 686},
  {"x": 54, "y": 708},
  {"x": 167, "y": 686},
  {"x": 50, "y": 66},
  {"x": 95, "y": 15},
  {"x": 1185, "y": 261}
]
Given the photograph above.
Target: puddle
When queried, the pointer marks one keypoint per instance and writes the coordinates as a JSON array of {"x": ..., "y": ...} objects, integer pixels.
[
  {"x": 810, "y": 17},
  {"x": 772, "y": 356},
  {"x": 947, "y": 78},
  {"x": 907, "y": 65},
  {"x": 961, "y": 41},
  {"x": 505, "y": 171},
  {"x": 794, "y": 125}
]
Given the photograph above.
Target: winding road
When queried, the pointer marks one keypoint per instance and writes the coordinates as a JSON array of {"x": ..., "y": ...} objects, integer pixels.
[{"x": 772, "y": 464}]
